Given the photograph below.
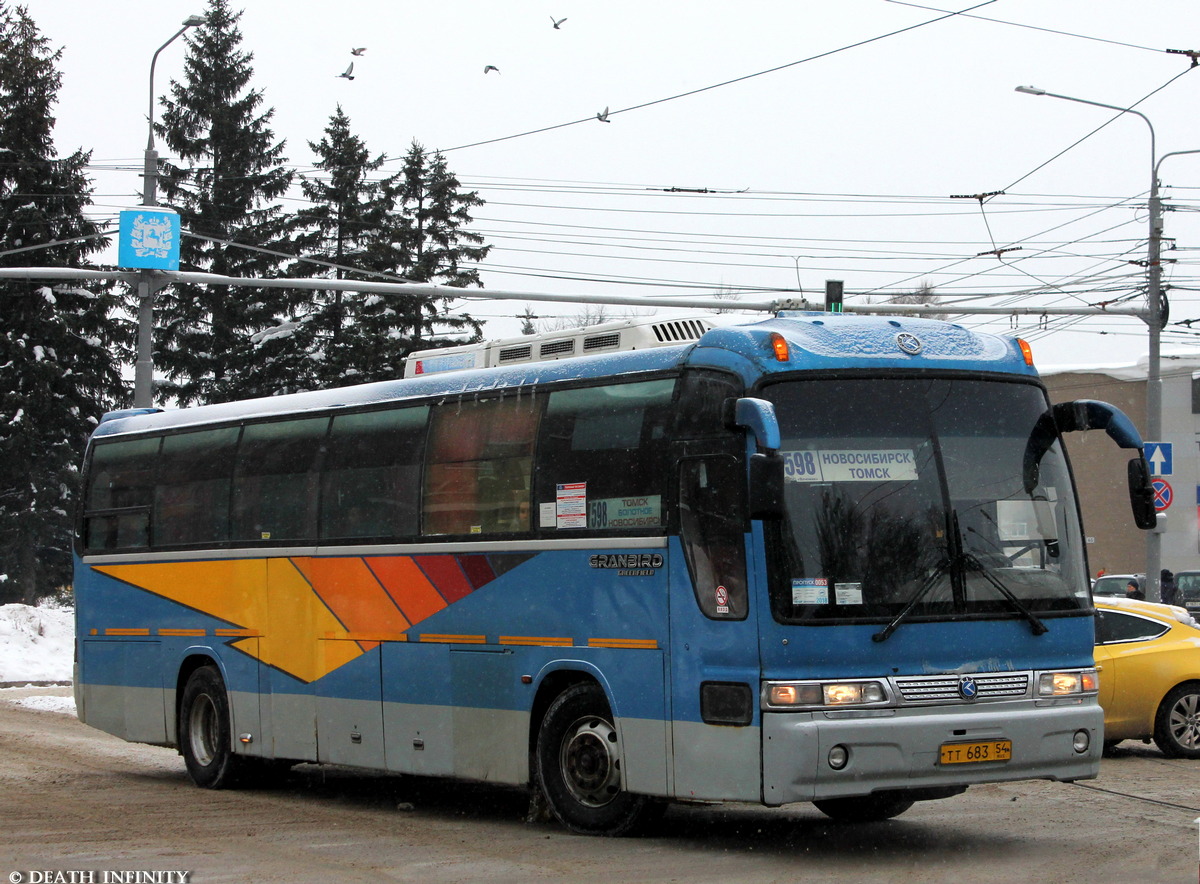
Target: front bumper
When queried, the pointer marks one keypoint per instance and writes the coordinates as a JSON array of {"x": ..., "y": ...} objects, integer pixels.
[{"x": 890, "y": 749}]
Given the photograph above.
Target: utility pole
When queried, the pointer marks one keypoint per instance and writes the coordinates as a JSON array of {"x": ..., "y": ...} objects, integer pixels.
[{"x": 149, "y": 281}]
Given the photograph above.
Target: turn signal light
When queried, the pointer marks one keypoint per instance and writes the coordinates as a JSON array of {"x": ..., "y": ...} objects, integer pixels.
[
  {"x": 1026, "y": 350},
  {"x": 1064, "y": 684},
  {"x": 780, "y": 345}
]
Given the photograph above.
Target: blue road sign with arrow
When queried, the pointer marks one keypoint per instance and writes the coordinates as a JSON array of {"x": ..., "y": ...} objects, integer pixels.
[{"x": 1158, "y": 456}]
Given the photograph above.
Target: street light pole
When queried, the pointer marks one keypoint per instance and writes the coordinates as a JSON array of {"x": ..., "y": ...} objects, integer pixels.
[
  {"x": 148, "y": 283},
  {"x": 1152, "y": 318}
]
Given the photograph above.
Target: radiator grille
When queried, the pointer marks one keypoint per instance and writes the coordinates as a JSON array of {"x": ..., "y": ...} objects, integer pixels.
[
  {"x": 602, "y": 342},
  {"x": 944, "y": 688},
  {"x": 512, "y": 354},
  {"x": 557, "y": 348},
  {"x": 679, "y": 330}
]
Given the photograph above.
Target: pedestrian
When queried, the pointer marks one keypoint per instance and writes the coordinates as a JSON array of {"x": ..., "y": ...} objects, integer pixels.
[
  {"x": 1167, "y": 587},
  {"x": 1133, "y": 590}
]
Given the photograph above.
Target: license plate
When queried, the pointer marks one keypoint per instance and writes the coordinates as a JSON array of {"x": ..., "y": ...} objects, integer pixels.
[{"x": 975, "y": 753}]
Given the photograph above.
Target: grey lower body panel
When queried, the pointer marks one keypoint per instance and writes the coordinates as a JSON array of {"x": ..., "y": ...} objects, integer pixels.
[{"x": 899, "y": 749}]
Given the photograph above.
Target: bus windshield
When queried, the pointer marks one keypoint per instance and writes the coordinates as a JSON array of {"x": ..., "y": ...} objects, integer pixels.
[{"x": 911, "y": 495}]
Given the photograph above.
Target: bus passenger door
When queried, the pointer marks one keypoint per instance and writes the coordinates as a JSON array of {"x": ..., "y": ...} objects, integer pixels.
[{"x": 714, "y": 636}]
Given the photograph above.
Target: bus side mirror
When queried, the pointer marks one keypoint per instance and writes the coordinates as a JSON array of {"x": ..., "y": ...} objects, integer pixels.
[
  {"x": 766, "y": 466},
  {"x": 757, "y": 416},
  {"x": 1141, "y": 494},
  {"x": 766, "y": 486},
  {"x": 1088, "y": 414}
]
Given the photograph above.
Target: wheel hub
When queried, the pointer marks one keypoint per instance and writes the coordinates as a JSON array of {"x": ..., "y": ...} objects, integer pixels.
[
  {"x": 1185, "y": 721},
  {"x": 589, "y": 763},
  {"x": 202, "y": 730}
]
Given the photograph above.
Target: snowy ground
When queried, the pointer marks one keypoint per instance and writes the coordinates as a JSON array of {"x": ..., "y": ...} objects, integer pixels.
[{"x": 36, "y": 645}]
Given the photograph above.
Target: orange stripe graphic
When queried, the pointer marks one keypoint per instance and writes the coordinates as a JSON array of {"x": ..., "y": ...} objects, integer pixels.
[
  {"x": 408, "y": 586},
  {"x": 644, "y": 644},
  {"x": 351, "y": 591}
]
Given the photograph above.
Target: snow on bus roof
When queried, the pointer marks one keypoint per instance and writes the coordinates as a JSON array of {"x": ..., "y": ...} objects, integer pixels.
[
  {"x": 447, "y": 384},
  {"x": 820, "y": 340}
]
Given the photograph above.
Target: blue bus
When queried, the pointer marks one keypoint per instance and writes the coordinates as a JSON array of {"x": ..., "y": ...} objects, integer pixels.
[{"x": 817, "y": 558}]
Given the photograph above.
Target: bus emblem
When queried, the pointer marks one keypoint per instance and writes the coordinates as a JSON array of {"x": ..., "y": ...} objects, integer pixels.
[
  {"x": 967, "y": 688},
  {"x": 909, "y": 343}
]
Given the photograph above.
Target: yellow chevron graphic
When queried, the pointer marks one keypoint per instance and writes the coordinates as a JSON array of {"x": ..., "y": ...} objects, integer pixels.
[{"x": 288, "y": 616}]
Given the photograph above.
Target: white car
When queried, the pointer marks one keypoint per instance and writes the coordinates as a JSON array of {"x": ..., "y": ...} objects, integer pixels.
[{"x": 1114, "y": 584}]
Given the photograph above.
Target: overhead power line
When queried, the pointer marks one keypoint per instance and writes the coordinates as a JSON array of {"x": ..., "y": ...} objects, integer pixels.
[{"x": 776, "y": 69}]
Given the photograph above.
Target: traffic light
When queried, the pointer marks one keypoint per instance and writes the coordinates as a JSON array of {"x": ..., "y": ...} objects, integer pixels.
[{"x": 833, "y": 296}]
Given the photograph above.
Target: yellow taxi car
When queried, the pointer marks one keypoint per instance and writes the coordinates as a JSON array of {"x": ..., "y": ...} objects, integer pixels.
[{"x": 1148, "y": 657}]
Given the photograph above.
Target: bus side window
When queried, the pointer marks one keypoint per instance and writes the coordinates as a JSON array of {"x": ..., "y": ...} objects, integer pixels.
[
  {"x": 275, "y": 486},
  {"x": 712, "y": 523},
  {"x": 119, "y": 492},
  {"x": 702, "y": 401},
  {"x": 191, "y": 497},
  {"x": 480, "y": 465},
  {"x": 611, "y": 440},
  {"x": 371, "y": 483}
]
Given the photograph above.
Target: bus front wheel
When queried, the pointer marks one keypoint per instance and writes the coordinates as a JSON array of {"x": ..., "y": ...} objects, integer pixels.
[
  {"x": 205, "y": 736},
  {"x": 579, "y": 765}
]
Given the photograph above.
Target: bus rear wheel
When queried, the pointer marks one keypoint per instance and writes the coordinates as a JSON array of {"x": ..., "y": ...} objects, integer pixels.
[
  {"x": 205, "y": 734},
  {"x": 579, "y": 766},
  {"x": 864, "y": 808}
]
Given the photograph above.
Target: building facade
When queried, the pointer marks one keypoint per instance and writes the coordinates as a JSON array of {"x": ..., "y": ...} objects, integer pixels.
[{"x": 1115, "y": 545}]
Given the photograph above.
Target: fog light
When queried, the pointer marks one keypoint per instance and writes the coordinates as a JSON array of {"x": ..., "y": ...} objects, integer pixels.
[
  {"x": 838, "y": 756},
  {"x": 1081, "y": 742}
]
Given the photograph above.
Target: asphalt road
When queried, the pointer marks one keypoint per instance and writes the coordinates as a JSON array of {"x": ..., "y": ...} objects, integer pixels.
[{"x": 73, "y": 800}]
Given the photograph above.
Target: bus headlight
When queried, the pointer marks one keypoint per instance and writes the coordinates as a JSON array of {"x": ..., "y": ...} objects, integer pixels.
[
  {"x": 794, "y": 695},
  {"x": 853, "y": 693},
  {"x": 1069, "y": 683}
]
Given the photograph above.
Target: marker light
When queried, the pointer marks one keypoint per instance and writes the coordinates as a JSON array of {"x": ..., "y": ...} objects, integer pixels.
[
  {"x": 794, "y": 695},
  {"x": 1063, "y": 684},
  {"x": 1026, "y": 350},
  {"x": 780, "y": 345}
]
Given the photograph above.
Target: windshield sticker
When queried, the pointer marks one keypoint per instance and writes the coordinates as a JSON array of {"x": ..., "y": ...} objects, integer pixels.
[
  {"x": 626, "y": 512},
  {"x": 547, "y": 515},
  {"x": 850, "y": 465},
  {"x": 848, "y": 593},
  {"x": 810, "y": 591},
  {"x": 571, "y": 505}
]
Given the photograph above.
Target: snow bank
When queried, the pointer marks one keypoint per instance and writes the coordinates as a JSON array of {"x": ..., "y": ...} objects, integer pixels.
[
  {"x": 66, "y": 705},
  {"x": 36, "y": 644}
]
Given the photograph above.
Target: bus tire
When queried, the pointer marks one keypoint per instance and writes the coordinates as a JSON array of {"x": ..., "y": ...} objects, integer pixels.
[
  {"x": 864, "y": 808},
  {"x": 1177, "y": 724},
  {"x": 205, "y": 731},
  {"x": 579, "y": 765}
]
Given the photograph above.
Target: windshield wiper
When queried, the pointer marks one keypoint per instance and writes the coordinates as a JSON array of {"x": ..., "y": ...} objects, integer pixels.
[
  {"x": 958, "y": 557},
  {"x": 942, "y": 567},
  {"x": 1036, "y": 626}
]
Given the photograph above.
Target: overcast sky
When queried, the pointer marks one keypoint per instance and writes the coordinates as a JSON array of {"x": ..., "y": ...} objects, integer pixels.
[{"x": 832, "y": 151}]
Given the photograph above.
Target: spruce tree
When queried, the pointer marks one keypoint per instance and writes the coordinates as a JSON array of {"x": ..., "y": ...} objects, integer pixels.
[
  {"x": 409, "y": 226},
  {"x": 428, "y": 241},
  {"x": 60, "y": 352},
  {"x": 225, "y": 187},
  {"x": 343, "y": 224}
]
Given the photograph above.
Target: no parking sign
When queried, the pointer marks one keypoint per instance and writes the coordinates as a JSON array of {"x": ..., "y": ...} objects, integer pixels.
[{"x": 1162, "y": 494}]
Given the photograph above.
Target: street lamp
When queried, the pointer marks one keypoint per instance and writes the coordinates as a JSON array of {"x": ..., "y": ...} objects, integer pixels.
[
  {"x": 143, "y": 372},
  {"x": 1152, "y": 318}
]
